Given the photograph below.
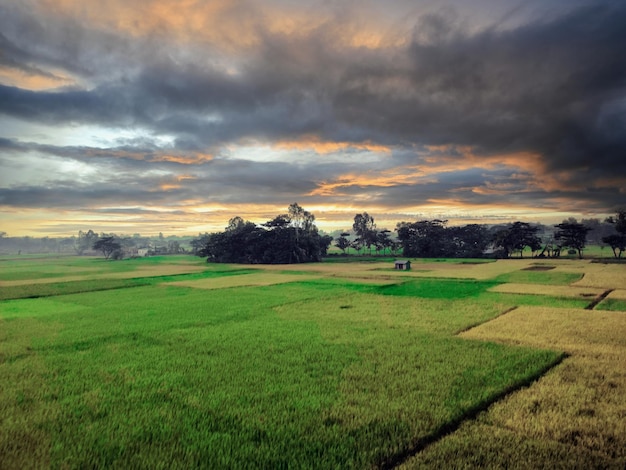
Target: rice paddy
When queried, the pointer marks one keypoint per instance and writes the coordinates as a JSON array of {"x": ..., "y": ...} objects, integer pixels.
[{"x": 175, "y": 363}]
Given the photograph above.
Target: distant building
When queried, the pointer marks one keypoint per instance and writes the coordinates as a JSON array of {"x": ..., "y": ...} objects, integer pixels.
[
  {"x": 143, "y": 251},
  {"x": 403, "y": 265}
]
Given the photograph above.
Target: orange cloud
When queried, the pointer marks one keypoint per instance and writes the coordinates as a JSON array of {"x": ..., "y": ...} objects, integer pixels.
[
  {"x": 34, "y": 80},
  {"x": 184, "y": 159},
  {"x": 227, "y": 24},
  {"x": 458, "y": 157},
  {"x": 389, "y": 178},
  {"x": 325, "y": 147}
]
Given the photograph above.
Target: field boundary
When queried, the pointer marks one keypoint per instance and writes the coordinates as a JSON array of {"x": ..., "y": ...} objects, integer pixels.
[
  {"x": 599, "y": 299},
  {"x": 470, "y": 415}
]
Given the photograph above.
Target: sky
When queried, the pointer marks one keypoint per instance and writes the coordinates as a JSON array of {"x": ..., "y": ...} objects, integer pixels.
[{"x": 151, "y": 116}]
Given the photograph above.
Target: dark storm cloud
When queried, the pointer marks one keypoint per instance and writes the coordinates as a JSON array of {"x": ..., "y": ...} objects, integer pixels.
[{"x": 555, "y": 87}]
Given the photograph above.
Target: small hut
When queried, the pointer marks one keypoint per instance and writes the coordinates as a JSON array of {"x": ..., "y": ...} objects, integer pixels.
[{"x": 403, "y": 265}]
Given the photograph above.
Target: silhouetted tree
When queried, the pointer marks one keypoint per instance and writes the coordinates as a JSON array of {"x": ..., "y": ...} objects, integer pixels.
[
  {"x": 280, "y": 240},
  {"x": 85, "y": 241},
  {"x": 516, "y": 237},
  {"x": 107, "y": 245},
  {"x": 617, "y": 241},
  {"x": 342, "y": 242},
  {"x": 365, "y": 228},
  {"x": 425, "y": 239},
  {"x": 571, "y": 234}
]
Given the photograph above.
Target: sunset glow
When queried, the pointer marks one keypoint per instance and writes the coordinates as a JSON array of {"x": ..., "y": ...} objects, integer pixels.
[{"x": 152, "y": 116}]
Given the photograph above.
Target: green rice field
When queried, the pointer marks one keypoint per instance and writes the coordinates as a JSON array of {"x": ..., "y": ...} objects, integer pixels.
[{"x": 170, "y": 362}]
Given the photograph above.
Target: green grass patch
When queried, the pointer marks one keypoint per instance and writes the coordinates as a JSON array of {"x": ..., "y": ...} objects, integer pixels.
[
  {"x": 25, "y": 291},
  {"x": 275, "y": 376},
  {"x": 616, "y": 305},
  {"x": 324, "y": 373}
]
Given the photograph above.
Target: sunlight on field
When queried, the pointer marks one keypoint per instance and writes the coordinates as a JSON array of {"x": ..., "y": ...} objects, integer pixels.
[
  {"x": 151, "y": 362},
  {"x": 604, "y": 276},
  {"x": 457, "y": 270},
  {"x": 555, "y": 291},
  {"x": 576, "y": 409},
  {"x": 618, "y": 294}
]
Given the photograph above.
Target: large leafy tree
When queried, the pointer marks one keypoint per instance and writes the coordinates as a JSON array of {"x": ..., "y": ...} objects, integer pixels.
[
  {"x": 425, "y": 239},
  {"x": 342, "y": 242},
  {"x": 287, "y": 238},
  {"x": 517, "y": 237},
  {"x": 469, "y": 241},
  {"x": 571, "y": 234},
  {"x": 108, "y": 245},
  {"x": 365, "y": 228},
  {"x": 84, "y": 241},
  {"x": 617, "y": 241}
]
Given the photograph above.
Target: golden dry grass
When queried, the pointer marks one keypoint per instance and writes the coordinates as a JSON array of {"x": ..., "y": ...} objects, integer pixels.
[
  {"x": 617, "y": 294},
  {"x": 384, "y": 270},
  {"x": 580, "y": 403},
  {"x": 554, "y": 291},
  {"x": 608, "y": 276}
]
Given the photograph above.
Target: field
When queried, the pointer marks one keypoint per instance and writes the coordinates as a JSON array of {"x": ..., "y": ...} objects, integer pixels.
[{"x": 170, "y": 362}]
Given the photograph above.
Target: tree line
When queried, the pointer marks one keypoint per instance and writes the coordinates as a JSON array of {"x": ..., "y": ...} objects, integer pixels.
[
  {"x": 287, "y": 238},
  {"x": 294, "y": 238}
]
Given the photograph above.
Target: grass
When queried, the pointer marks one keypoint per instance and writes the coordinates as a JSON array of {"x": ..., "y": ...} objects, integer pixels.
[
  {"x": 571, "y": 418},
  {"x": 182, "y": 364}
]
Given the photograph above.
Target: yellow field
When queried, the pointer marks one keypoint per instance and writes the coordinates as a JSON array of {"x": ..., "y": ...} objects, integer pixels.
[
  {"x": 555, "y": 291},
  {"x": 384, "y": 270},
  {"x": 577, "y": 408},
  {"x": 618, "y": 294},
  {"x": 604, "y": 276}
]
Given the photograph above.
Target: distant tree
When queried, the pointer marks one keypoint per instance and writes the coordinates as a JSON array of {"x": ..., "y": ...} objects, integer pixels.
[
  {"x": 469, "y": 241},
  {"x": 84, "y": 241},
  {"x": 516, "y": 237},
  {"x": 365, "y": 228},
  {"x": 3, "y": 234},
  {"x": 425, "y": 239},
  {"x": 384, "y": 241},
  {"x": 280, "y": 240},
  {"x": 107, "y": 245},
  {"x": 197, "y": 244},
  {"x": 342, "y": 242},
  {"x": 571, "y": 235},
  {"x": 619, "y": 221},
  {"x": 617, "y": 241},
  {"x": 173, "y": 247}
]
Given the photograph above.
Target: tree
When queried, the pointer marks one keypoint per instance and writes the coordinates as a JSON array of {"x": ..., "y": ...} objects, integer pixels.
[
  {"x": 469, "y": 241},
  {"x": 84, "y": 241},
  {"x": 516, "y": 237},
  {"x": 425, "y": 239},
  {"x": 384, "y": 241},
  {"x": 365, "y": 228},
  {"x": 572, "y": 235},
  {"x": 280, "y": 240},
  {"x": 107, "y": 245},
  {"x": 617, "y": 241},
  {"x": 342, "y": 242}
]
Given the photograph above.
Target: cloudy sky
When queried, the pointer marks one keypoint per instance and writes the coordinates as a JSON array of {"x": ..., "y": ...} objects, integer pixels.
[{"x": 174, "y": 116}]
